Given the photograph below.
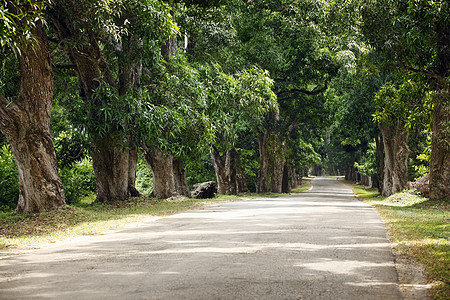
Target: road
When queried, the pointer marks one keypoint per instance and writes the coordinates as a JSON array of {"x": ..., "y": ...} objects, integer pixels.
[{"x": 322, "y": 244}]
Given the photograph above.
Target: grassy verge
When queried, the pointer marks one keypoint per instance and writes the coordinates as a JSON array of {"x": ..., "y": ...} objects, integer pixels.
[
  {"x": 419, "y": 228},
  {"x": 87, "y": 218}
]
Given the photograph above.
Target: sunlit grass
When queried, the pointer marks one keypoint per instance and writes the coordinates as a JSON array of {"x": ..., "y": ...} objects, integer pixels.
[{"x": 419, "y": 228}]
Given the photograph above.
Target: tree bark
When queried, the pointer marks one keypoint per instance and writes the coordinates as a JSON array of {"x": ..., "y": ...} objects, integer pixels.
[
  {"x": 396, "y": 152},
  {"x": 378, "y": 178},
  {"x": 440, "y": 148},
  {"x": 179, "y": 174},
  {"x": 225, "y": 172},
  {"x": 111, "y": 167},
  {"x": 26, "y": 125},
  {"x": 163, "y": 176},
  {"x": 263, "y": 179},
  {"x": 272, "y": 160}
]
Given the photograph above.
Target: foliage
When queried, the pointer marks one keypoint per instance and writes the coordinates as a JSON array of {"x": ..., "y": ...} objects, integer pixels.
[
  {"x": 236, "y": 103},
  {"x": 17, "y": 20},
  {"x": 78, "y": 180},
  {"x": 199, "y": 169},
  {"x": 409, "y": 33},
  {"x": 367, "y": 165},
  {"x": 9, "y": 179},
  {"x": 178, "y": 89},
  {"x": 144, "y": 178}
]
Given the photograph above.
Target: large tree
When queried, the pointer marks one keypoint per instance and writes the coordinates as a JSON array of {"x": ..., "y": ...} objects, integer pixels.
[
  {"x": 105, "y": 43},
  {"x": 25, "y": 116},
  {"x": 414, "y": 37}
]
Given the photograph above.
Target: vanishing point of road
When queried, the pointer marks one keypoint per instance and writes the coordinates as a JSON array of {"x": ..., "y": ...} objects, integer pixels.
[{"x": 322, "y": 244}]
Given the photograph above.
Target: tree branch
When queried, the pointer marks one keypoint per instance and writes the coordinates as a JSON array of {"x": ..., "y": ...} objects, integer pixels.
[
  {"x": 426, "y": 73},
  {"x": 301, "y": 91}
]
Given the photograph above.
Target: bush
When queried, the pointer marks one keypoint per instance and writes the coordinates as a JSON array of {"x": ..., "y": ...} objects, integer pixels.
[
  {"x": 78, "y": 180},
  {"x": 144, "y": 178},
  {"x": 9, "y": 180}
]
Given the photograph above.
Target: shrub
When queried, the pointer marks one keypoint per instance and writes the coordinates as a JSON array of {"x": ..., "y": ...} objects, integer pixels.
[
  {"x": 9, "y": 180},
  {"x": 144, "y": 178},
  {"x": 78, "y": 180}
]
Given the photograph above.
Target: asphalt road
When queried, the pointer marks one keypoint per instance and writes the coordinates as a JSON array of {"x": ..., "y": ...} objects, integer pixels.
[{"x": 322, "y": 244}]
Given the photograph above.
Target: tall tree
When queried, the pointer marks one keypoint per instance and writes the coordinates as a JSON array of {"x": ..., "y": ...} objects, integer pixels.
[
  {"x": 414, "y": 36},
  {"x": 25, "y": 117},
  {"x": 105, "y": 43}
]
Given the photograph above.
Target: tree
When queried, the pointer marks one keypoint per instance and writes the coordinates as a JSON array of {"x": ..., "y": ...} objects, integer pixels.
[
  {"x": 104, "y": 41},
  {"x": 25, "y": 117},
  {"x": 414, "y": 37},
  {"x": 236, "y": 104}
]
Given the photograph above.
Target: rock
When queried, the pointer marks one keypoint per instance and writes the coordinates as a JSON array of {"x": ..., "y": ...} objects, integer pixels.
[
  {"x": 423, "y": 185},
  {"x": 204, "y": 190}
]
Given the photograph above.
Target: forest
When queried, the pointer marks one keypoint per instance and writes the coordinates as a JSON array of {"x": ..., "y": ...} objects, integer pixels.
[{"x": 126, "y": 98}]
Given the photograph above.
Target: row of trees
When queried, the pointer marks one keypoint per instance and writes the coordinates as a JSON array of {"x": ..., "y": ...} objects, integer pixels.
[{"x": 265, "y": 88}]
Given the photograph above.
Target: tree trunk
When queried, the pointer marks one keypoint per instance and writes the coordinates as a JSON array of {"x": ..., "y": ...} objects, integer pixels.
[
  {"x": 263, "y": 180},
  {"x": 225, "y": 168},
  {"x": 111, "y": 168},
  {"x": 440, "y": 148},
  {"x": 378, "y": 178},
  {"x": 26, "y": 125},
  {"x": 179, "y": 174},
  {"x": 277, "y": 169},
  {"x": 162, "y": 168},
  {"x": 285, "y": 186},
  {"x": 132, "y": 168},
  {"x": 241, "y": 181},
  {"x": 396, "y": 152},
  {"x": 272, "y": 159}
]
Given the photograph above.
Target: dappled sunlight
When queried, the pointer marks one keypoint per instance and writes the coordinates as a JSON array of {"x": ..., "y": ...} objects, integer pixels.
[{"x": 275, "y": 245}]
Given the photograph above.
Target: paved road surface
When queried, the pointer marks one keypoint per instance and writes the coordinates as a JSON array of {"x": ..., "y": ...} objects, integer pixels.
[{"x": 323, "y": 244}]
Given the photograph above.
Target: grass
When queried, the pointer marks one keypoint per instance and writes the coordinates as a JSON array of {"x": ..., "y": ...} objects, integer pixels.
[
  {"x": 88, "y": 218},
  {"x": 419, "y": 228}
]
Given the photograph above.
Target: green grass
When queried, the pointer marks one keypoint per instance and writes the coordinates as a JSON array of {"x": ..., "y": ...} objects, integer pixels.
[
  {"x": 89, "y": 218},
  {"x": 419, "y": 228}
]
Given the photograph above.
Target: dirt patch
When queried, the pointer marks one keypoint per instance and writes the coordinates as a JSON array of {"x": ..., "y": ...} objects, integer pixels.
[{"x": 412, "y": 278}]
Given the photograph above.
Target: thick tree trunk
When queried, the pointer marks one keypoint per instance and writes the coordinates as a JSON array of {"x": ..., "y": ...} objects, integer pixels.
[
  {"x": 179, "y": 174},
  {"x": 277, "y": 170},
  {"x": 132, "y": 168},
  {"x": 111, "y": 168},
  {"x": 225, "y": 168},
  {"x": 396, "y": 152},
  {"x": 162, "y": 168},
  {"x": 440, "y": 149},
  {"x": 272, "y": 160},
  {"x": 26, "y": 125}
]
